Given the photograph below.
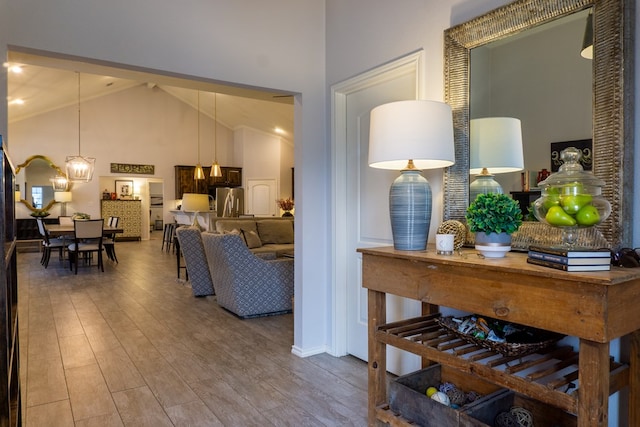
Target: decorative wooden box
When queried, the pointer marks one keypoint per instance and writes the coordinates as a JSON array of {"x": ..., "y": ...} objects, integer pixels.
[{"x": 407, "y": 398}]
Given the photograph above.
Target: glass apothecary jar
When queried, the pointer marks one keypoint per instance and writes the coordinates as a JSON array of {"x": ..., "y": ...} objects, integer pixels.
[{"x": 571, "y": 198}]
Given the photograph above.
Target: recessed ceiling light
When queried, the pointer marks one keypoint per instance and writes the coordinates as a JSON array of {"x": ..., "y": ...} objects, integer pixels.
[
  {"x": 279, "y": 130},
  {"x": 18, "y": 101},
  {"x": 17, "y": 69}
]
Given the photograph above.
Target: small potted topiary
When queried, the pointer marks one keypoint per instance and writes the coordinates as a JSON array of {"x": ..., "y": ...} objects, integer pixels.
[
  {"x": 493, "y": 218},
  {"x": 39, "y": 213}
]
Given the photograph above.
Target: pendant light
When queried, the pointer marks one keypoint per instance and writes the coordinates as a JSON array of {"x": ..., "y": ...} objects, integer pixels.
[
  {"x": 199, "y": 173},
  {"x": 216, "y": 172},
  {"x": 79, "y": 168},
  {"x": 587, "y": 41}
]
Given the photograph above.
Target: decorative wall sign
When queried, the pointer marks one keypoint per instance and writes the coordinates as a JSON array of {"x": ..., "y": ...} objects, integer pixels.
[
  {"x": 135, "y": 169},
  {"x": 584, "y": 145}
]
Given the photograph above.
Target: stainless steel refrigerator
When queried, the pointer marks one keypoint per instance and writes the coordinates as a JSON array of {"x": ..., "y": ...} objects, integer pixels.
[{"x": 229, "y": 202}]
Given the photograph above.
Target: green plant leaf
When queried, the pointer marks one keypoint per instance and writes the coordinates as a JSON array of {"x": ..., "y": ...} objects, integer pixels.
[{"x": 493, "y": 212}]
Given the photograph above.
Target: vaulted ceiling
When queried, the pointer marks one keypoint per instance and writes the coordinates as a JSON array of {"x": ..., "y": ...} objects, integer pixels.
[{"x": 44, "y": 84}]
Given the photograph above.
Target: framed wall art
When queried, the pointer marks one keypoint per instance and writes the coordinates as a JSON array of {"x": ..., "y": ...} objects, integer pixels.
[{"x": 124, "y": 189}]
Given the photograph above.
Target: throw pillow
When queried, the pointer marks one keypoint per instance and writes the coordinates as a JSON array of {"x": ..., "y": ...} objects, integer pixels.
[
  {"x": 275, "y": 231},
  {"x": 234, "y": 231},
  {"x": 223, "y": 225},
  {"x": 252, "y": 239}
]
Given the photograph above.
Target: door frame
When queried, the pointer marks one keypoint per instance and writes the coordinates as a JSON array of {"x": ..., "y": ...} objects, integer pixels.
[{"x": 411, "y": 63}]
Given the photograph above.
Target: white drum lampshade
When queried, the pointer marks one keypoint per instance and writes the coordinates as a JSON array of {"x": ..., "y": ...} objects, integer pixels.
[
  {"x": 496, "y": 147},
  {"x": 410, "y": 136},
  {"x": 63, "y": 197},
  {"x": 192, "y": 202}
]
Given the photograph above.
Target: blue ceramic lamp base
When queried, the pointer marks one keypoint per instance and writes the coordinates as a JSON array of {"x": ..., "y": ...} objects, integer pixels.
[{"x": 410, "y": 209}]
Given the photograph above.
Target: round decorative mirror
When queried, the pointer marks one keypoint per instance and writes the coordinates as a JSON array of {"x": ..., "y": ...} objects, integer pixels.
[{"x": 34, "y": 178}]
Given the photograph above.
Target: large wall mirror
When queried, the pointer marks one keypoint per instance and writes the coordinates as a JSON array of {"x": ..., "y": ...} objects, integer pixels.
[
  {"x": 597, "y": 105},
  {"x": 34, "y": 180}
]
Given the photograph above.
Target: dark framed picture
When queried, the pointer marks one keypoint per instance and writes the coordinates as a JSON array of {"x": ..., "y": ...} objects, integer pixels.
[
  {"x": 156, "y": 200},
  {"x": 584, "y": 145},
  {"x": 124, "y": 189}
]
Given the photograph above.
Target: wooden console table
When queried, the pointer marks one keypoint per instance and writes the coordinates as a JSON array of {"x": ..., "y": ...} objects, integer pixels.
[{"x": 596, "y": 307}]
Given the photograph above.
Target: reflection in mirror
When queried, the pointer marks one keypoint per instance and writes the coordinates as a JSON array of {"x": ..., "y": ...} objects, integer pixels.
[
  {"x": 538, "y": 77},
  {"x": 34, "y": 178},
  {"x": 609, "y": 100}
]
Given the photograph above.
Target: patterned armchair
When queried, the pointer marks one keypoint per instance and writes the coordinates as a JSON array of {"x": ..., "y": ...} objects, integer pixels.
[
  {"x": 246, "y": 284},
  {"x": 195, "y": 260}
]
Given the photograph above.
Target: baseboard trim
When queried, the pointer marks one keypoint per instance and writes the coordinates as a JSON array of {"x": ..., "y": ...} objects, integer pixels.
[{"x": 300, "y": 352}]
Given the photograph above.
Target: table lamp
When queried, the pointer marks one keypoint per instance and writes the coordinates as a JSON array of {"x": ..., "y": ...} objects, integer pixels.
[
  {"x": 496, "y": 147},
  {"x": 410, "y": 136},
  {"x": 194, "y": 203},
  {"x": 63, "y": 197}
]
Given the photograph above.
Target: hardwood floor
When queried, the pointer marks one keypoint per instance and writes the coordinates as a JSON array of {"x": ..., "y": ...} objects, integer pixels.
[{"x": 132, "y": 346}]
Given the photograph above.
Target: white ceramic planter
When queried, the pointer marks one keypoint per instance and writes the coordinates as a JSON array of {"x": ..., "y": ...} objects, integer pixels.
[{"x": 493, "y": 245}]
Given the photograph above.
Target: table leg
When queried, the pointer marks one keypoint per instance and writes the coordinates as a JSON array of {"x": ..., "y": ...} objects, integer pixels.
[
  {"x": 593, "y": 396},
  {"x": 634, "y": 379},
  {"x": 177, "y": 248},
  {"x": 377, "y": 354}
]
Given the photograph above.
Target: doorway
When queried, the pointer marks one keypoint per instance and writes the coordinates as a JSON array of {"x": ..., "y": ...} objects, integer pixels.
[
  {"x": 361, "y": 203},
  {"x": 156, "y": 209}
]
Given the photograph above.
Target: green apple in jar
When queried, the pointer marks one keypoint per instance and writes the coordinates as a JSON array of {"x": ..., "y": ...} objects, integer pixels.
[
  {"x": 558, "y": 217},
  {"x": 573, "y": 203},
  {"x": 572, "y": 188},
  {"x": 587, "y": 216},
  {"x": 552, "y": 198}
]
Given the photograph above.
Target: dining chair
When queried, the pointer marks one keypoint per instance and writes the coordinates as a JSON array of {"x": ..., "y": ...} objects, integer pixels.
[
  {"x": 87, "y": 239},
  {"x": 109, "y": 241},
  {"x": 48, "y": 244}
]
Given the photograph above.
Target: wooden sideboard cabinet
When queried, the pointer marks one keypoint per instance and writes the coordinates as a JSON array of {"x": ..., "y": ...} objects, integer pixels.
[
  {"x": 130, "y": 214},
  {"x": 595, "y": 307}
]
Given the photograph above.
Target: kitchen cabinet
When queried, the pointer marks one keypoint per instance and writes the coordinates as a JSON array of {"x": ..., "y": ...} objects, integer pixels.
[
  {"x": 595, "y": 307},
  {"x": 184, "y": 182}
]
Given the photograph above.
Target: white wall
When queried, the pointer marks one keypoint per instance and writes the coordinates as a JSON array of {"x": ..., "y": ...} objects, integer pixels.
[
  {"x": 239, "y": 42},
  {"x": 137, "y": 125}
]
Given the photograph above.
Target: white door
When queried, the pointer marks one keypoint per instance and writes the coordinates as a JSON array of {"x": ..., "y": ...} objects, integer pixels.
[
  {"x": 261, "y": 197},
  {"x": 362, "y": 213}
]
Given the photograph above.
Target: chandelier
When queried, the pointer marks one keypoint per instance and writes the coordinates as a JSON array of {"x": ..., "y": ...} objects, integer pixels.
[{"x": 79, "y": 168}]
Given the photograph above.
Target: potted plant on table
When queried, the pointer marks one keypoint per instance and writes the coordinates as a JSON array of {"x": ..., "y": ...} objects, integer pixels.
[
  {"x": 80, "y": 216},
  {"x": 493, "y": 218},
  {"x": 39, "y": 213},
  {"x": 286, "y": 205}
]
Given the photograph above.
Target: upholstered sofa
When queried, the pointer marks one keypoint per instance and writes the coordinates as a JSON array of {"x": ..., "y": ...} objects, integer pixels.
[
  {"x": 261, "y": 235},
  {"x": 246, "y": 284},
  {"x": 190, "y": 240}
]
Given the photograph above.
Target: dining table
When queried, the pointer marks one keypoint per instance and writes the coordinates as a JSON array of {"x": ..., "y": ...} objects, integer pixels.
[
  {"x": 65, "y": 231},
  {"x": 59, "y": 230}
]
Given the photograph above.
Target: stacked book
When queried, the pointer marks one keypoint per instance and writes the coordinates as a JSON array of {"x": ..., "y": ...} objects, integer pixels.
[{"x": 577, "y": 259}]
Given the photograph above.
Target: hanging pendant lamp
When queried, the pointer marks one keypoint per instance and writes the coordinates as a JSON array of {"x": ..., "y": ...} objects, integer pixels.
[
  {"x": 79, "y": 168},
  {"x": 199, "y": 172},
  {"x": 216, "y": 172}
]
